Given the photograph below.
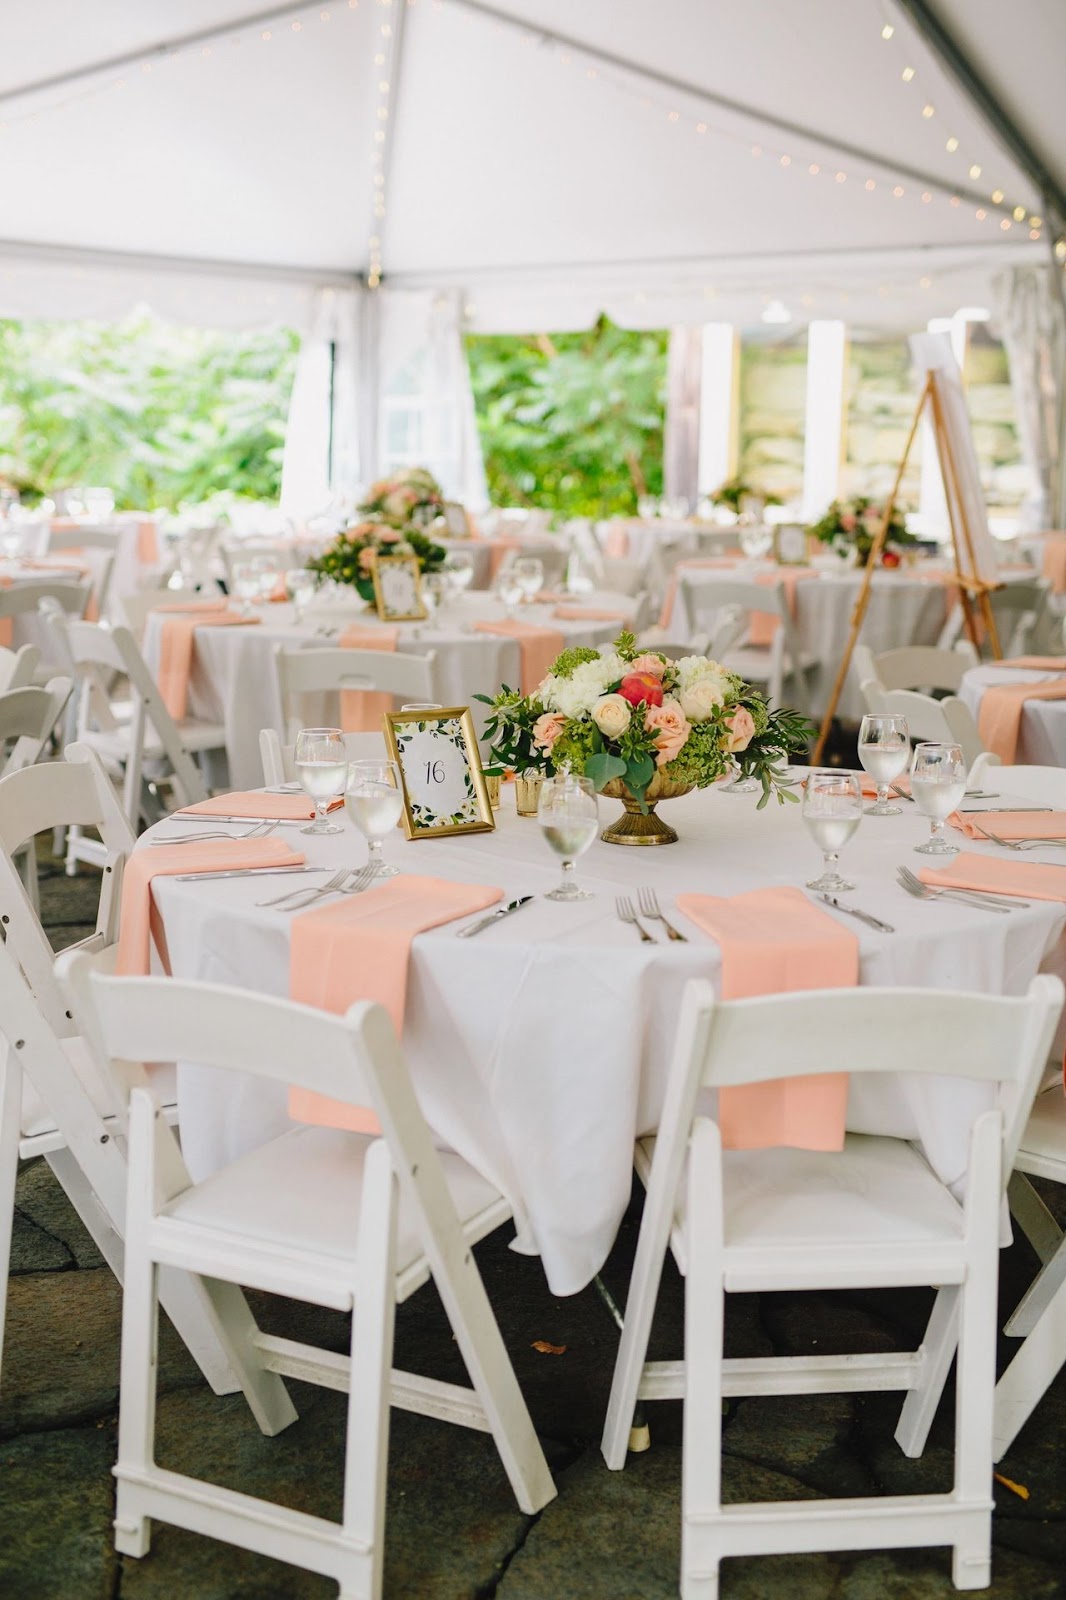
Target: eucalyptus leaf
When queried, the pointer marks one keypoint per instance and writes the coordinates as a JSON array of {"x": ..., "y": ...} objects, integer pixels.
[{"x": 601, "y": 768}]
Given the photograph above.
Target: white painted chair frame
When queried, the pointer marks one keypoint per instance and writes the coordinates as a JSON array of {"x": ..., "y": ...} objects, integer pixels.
[
  {"x": 18, "y": 668},
  {"x": 923, "y": 667},
  {"x": 707, "y": 595},
  {"x": 277, "y": 758},
  {"x": 1003, "y": 1042},
  {"x": 943, "y": 721},
  {"x": 356, "y": 1059},
  {"x": 1021, "y": 616},
  {"x": 28, "y": 717},
  {"x": 300, "y": 672}
]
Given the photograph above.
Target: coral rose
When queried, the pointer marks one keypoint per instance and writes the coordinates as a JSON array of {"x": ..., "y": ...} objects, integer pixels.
[
  {"x": 650, "y": 663},
  {"x": 671, "y": 728},
  {"x": 701, "y": 699},
  {"x": 389, "y": 536},
  {"x": 547, "y": 729},
  {"x": 641, "y": 688},
  {"x": 741, "y": 730},
  {"x": 612, "y": 715},
  {"x": 366, "y": 558}
]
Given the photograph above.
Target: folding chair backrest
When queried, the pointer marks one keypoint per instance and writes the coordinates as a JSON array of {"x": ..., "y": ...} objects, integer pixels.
[
  {"x": 27, "y": 717},
  {"x": 23, "y": 597},
  {"x": 301, "y": 672},
  {"x": 87, "y": 537},
  {"x": 135, "y": 607},
  {"x": 923, "y": 667},
  {"x": 279, "y": 765},
  {"x": 947, "y": 721},
  {"x": 18, "y": 667}
]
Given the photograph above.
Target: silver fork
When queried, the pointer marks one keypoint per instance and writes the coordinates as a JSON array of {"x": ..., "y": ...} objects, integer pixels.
[
  {"x": 295, "y": 898},
  {"x": 624, "y": 907},
  {"x": 259, "y": 831},
  {"x": 649, "y": 907},
  {"x": 923, "y": 891},
  {"x": 362, "y": 880},
  {"x": 1017, "y": 844}
]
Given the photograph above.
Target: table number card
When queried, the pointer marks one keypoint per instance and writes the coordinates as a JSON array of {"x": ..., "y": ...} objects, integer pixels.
[
  {"x": 398, "y": 589},
  {"x": 790, "y": 545},
  {"x": 457, "y": 520},
  {"x": 444, "y": 789}
]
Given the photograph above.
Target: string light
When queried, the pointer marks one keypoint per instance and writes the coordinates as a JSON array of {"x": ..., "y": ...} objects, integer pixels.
[
  {"x": 814, "y": 169},
  {"x": 975, "y": 171},
  {"x": 952, "y": 145},
  {"x": 907, "y": 74},
  {"x": 980, "y": 213},
  {"x": 898, "y": 191},
  {"x": 887, "y": 31},
  {"x": 928, "y": 111},
  {"x": 1006, "y": 223},
  {"x": 870, "y": 185},
  {"x": 841, "y": 177},
  {"x": 1019, "y": 213},
  {"x": 997, "y": 197}
]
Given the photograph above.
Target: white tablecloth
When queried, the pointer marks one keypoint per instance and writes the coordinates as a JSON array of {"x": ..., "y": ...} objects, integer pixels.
[
  {"x": 234, "y": 679},
  {"x": 1042, "y": 735},
  {"x": 540, "y": 1048}
]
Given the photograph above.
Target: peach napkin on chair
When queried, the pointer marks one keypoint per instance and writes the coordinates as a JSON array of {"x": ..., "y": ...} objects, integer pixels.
[
  {"x": 999, "y": 716},
  {"x": 175, "y": 649},
  {"x": 774, "y": 941},
  {"x": 1012, "y": 824},
  {"x": 363, "y": 709},
  {"x": 538, "y": 647},
  {"x": 1030, "y": 880},
  {"x": 256, "y": 803},
  {"x": 140, "y": 924},
  {"x": 359, "y": 949},
  {"x": 147, "y": 543}
]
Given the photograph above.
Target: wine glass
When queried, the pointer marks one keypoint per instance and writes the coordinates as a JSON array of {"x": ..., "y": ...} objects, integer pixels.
[
  {"x": 99, "y": 503},
  {"x": 938, "y": 783},
  {"x": 529, "y": 575},
  {"x": 300, "y": 588},
  {"x": 884, "y": 750},
  {"x": 434, "y": 593},
  {"x": 755, "y": 539},
  {"x": 509, "y": 590},
  {"x": 569, "y": 818},
  {"x": 245, "y": 584},
  {"x": 321, "y": 762},
  {"x": 269, "y": 575},
  {"x": 373, "y": 798},
  {"x": 832, "y": 810},
  {"x": 460, "y": 569}
]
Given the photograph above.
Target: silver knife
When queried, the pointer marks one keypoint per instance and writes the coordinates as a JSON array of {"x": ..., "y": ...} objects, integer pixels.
[
  {"x": 863, "y": 916},
  {"x": 504, "y": 911},
  {"x": 247, "y": 872},
  {"x": 206, "y": 817},
  {"x": 991, "y": 811}
]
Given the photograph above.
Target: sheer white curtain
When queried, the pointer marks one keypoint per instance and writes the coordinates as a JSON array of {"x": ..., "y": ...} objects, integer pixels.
[
  {"x": 1033, "y": 321},
  {"x": 323, "y": 450},
  {"x": 681, "y": 441}
]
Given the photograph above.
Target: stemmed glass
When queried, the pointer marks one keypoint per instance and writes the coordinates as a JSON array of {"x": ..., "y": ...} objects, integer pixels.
[
  {"x": 832, "y": 810},
  {"x": 755, "y": 539},
  {"x": 269, "y": 574},
  {"x": 508, "y": 590},
  {"x": 321, "y": 762},
  {"x": 245, "y": 579},
  {"x": 460, "y": 569},
  {"x": 569, "y": 818},
  {"x": 374, "y": 800},
  {"x": 300, "y": 588},
  {"x": 884, "y": 750},
  {"x": 529, "y": 575},
  {"x": 434, "y": 593},
  {"x": 938, "y": 783}
]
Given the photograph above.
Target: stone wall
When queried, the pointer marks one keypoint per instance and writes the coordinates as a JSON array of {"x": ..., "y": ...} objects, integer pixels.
[{"x": 773, "y": 393}]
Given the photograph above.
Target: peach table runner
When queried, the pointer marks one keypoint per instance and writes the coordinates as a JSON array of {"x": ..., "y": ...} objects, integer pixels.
[
  {"x": 587, "y": 614},
  {"x": 363, "y": 709},
  {"x": 258, "y": 803},
  {"x": 1053, "y": 561},
  {"x": 1031, "y": 880},
  {"x": 775, "y": 941},
  {"x": 1035, "y": 663},
  {"x": 140, "y": 923},
  {"x": 538, "y": 646},
  {"x": 359, "y": 949},
  {"x": 999, "y": 716},
  {"x": 176, "y": 645}
]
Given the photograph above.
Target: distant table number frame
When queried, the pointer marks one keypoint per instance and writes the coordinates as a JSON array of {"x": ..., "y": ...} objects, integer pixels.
[{"x": 444, "y": 789}]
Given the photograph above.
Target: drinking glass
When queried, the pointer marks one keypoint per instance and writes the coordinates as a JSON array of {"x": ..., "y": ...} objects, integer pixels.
[
  {"x": 884, "y": 750},
  {"x": 245, "y": 579},
  {"x": 569, "y": 818},
  {"x": 509, "y": 590},
  {"x": 529, "y": 575},
  {"x": 460, "y": 569},
  {"x": 321, "y": 762},
  {"x": 269, "y": 574},
  {"x": 832, "y": 810},
  {"x": 300, "y": 588},
  {"x": 373, "y": 798},
  {"x": 938, "y": 783},
  {"x": 434, "y": 593},
  {"x": 99, "y": 503},
  {"x": 755, "y": 539},
  {"x": 422, "y": 705}
]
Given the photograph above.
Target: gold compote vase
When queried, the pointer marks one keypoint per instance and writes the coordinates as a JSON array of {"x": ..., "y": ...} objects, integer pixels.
[{"x": 635, "y": 826}]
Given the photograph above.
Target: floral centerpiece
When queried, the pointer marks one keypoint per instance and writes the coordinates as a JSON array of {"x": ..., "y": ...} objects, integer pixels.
[
  {"x": 350, "y": 558},
  {"x": 411, "y": 495},
  {"x": 736, "y": 493},
  {"x": 852, "y": 525},
  {"x": 643, "y": 729}
]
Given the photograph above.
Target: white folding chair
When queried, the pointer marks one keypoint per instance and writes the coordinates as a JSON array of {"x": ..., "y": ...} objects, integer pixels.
[
  {"x": 279, "y": 766},
  {"x": 27, "y": 720},
  {"x": 779, "y": 667},
  {"x": 18, "y": 668},
  {"x": 42, "y": 597},
  {"x": 101, "y": 546},
  {"x": 946, "y": 721},
  {"x": 1023, "y": 622},
  {"x": 924, "y": 667},
  {"x": 136, "y": 606},
  {"x": 302, "y": 672},
  {"x": 873, "y": 1215},
  {"x": 337, "y": 1219}
]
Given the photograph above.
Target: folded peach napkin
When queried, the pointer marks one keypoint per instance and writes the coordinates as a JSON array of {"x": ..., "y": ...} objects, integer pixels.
[
  {"x": 363, "y": 709},
  {"x": 194, "y": 604},
  {"x": 1036, "y": 663},
  {"x": 1012, "y": 824},
  {"x": 359, "y": 949},
  {"x": 255, "y": 803},
  {"x": 616, "y": 544},
  {"x": 1054, "y": 561},
  {"x": 140, "y": 924},
  {"x": 538, "y": 647},
  {"x": 175, "y": 652},
  {"x": 587, "y": 614},
  {"x": 147, "y": 543},
  {"x": 1030, "y": 880},
  {"x": 999, "y": 716},
  {"x": 775, "y": 941}
]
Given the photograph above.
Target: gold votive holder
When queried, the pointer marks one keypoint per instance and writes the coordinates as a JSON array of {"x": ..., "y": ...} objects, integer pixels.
[
  {"x": 492, "y": 784},
  {"x": 527, "y": 793}
]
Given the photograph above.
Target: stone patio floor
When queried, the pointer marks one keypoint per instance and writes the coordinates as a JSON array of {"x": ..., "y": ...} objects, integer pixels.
[{"x": 453, "y": 1531}]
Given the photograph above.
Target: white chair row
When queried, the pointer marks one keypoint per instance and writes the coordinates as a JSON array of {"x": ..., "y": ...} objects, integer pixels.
[{"x": 902, "y": 683}]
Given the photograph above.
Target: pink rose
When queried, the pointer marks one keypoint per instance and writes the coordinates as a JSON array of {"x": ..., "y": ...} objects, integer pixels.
[
  {"x": 671, "y": 728},
  {"x": 547, "y": 729},
  {"x": 366, "y": 559},
  {"x": 847, "y": 521},
  {"x": 649, "y": 663},
  {"x": 389, "y": 535},
  {"x": 741, "y": 730}
]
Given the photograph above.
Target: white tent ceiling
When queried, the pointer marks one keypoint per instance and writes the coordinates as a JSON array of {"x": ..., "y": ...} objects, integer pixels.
[{"x": 521, "y": 160}]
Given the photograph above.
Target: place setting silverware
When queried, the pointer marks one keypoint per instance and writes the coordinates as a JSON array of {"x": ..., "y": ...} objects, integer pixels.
[
  {"x": 261, "y": 830},
  {"x": 648, "y": 902},
  {"x": 624, "y": 910},
  {"x": 855, "y": 911},
  {"x": 245, "y": 872},
  {"x": 1023, "y": 845},
  {"x": 495, "y": 916},
  {"x": 295, "y": 899},
  {"x": 967, "y": 897}
]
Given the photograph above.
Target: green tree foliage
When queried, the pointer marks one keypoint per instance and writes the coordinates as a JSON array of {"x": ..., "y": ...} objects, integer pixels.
[
  {"x": 572, "y": 422},
  {"x": 158, "y": 413}
]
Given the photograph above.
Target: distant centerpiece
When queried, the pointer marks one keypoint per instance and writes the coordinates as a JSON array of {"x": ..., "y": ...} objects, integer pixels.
[
  {"x": 395, "y": 514},
  {"x": 644, "y": 728},
  {"x": 850, "y": 527},
  {"x": 412, "y": 495}
]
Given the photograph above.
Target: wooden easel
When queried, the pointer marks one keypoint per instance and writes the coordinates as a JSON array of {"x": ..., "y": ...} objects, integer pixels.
[{"x": 973, "y": 590}]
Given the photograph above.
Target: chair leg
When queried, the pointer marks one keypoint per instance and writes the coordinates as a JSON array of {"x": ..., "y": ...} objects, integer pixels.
[
  {"x": 1034, "y": 1368},
  {"x": 701, "y": 1455},
  {"x": 10, "y": 1109},
  {"x": 1033, "y": 1217},
  {"x": 938, "y": 1349},
  {"x": 1038, "y": 1296},
  {"x": 975, "y": 1379},
  {"x": 136, "y": 1416}
]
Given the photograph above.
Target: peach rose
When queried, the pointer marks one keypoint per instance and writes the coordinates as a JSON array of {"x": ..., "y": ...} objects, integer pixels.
[
  {"x": 612, "y": 715},
  {"x": 671, "y": 728},
  {"x": 547, "y": 729},
  {"x": 741, "y": 730},
  {"x": 366, "y": 558},
  {"x": 649, "y": 663},
  {"x": 389, "y": 536}
]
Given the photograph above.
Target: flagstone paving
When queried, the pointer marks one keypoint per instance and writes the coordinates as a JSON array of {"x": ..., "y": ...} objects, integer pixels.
[{"x": 453, "y": 1531}]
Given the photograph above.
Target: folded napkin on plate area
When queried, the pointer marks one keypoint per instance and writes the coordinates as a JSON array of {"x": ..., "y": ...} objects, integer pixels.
[
  {"x": 194, "y": 604},
  {"x": 999, "y": 717},
  {"x": 255, "y": 803},
  {"x": 363, "y": 709},
  {"x": 359, "y": 949},
  {"x": 140, "y": 922},
  {"x": 774, "y": 941},
  {"x": 1012, "y": 824},
  {"x": 175, "y": 650},
  {"x": 538, "y": 646},
  {"x": 1030, "y": 880}
]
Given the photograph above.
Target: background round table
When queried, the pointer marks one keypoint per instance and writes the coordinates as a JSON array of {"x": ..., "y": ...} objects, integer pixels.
[{"x": 1042, "y": 734}]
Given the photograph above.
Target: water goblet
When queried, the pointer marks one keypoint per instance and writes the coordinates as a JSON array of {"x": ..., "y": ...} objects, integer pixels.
[
  {"x": 938, "y": 783},
  {"x": 755, "y": 539},
  {"x": 244, "y": 578},
  {"x": 300, "y": 588},
  {"x": 460, "y": 569},
  {"x": 434, "y": 593},
  {"x": 321, "y": 762},
  {"x": 99, "y": 503},
  {"x": 373, "y": 798},
  {"x": 569, "y": 819},
  {"x": 529, "y": 575},
  {"x": 269, "y": 574},
  {"x": 884, "y": 750},
  {"x": 832, "y": 810},
  {"x": 508, "y": 590}
]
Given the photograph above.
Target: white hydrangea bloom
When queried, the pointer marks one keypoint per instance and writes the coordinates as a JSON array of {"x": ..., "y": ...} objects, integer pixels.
[
  {"x": 696, "y": 669},
  {"x": 576, "y": 695}
]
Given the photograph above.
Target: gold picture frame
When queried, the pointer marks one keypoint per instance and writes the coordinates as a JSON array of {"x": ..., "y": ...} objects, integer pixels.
[
  {"x": 398, "y": 589},
  {"x": 451, "y": 795},
  {"x": 790, "y": 545}
]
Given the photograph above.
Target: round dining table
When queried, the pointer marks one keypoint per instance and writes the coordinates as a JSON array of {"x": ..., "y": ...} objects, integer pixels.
[
  {"x": 540, "y": 1048},
  {"x": 1042, "y": 730}
]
